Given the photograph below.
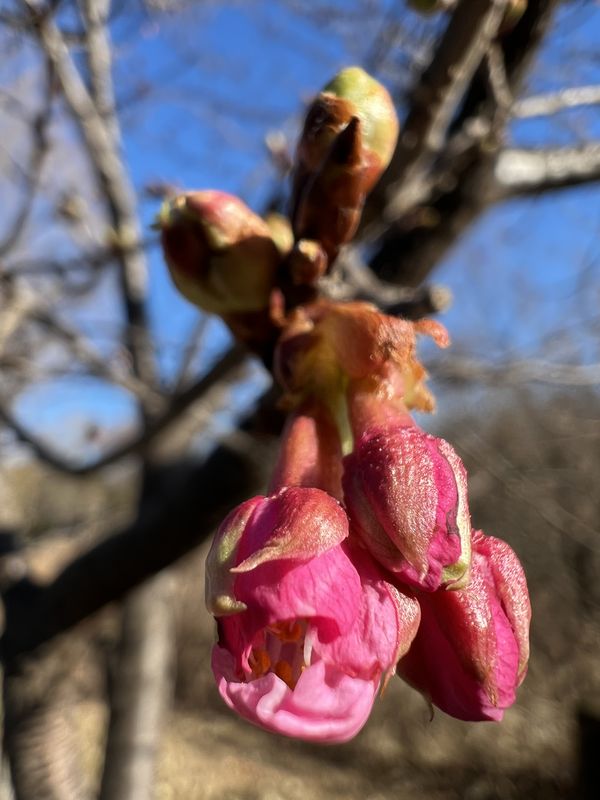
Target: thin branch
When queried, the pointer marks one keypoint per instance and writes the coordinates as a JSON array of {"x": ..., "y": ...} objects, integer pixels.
[
  {"x": 351, "y": 279},
  {"x": 461, "y": 185},
  {"x": 15, "y": 309},
  {"x": 32, "y": 172},
  {"x": 94, "y": 260},
  {"x": 523, "y": 172},
  {"x": 190, "y": 351},
  {"x": 99, "y": 366},
  {"x": 95, "y": 14},
  {"x": 456, "y": 368},
  {"x": 496, "y": 73},
  {"x": 226, "y": 369},
  {"x": 544, "y": 105},
  {"x": 103, "y": 151}
]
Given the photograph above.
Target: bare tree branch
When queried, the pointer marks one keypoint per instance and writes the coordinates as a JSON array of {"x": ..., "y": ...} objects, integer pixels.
[
  {"x": 226, "y": 369},
  {"x": 544, "y": 105},
  {"x": 140, "y": 692},
  {"x": 472, "y": 27},
  {"x": 351, "y": 279},
  {"x": 190, "y": 351},
  {"x": 40, "y": 737},
  {"x": 522, "y": 172},
  {"x": 458, "y": 369},
  {"x": 102, "y": 148},
  {"x": 461, "y": 184},
  {"x": 95, "y": 14},
  {"x": 31, "y": 175}
]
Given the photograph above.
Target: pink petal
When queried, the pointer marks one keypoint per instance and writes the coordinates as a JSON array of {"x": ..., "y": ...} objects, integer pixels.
[
  {"x": 465, "y": 656},
  {"x": 386, "y": 624},
  {"x": 222, "y": 556},
  {"x": 325, "y": 706},
  {"x": 283, "y": 590},
  {"x": 296, "y": 523},
  {"x": 511, "y": 587}
]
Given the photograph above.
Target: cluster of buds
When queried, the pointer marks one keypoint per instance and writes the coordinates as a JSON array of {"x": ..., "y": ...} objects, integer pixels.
[
  {"x": 227, "y": 260},
  {"x": 361, "y": 561}
]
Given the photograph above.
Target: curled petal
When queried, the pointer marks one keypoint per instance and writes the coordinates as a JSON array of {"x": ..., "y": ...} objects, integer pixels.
[
  {"x": 511, "y": 587},
  {"x": 286, "y": 590},
  {"x": 384, "y": 628},
  {"x": 465, "y": 657},
  {"x": 326, "y": 704},
  {"x": 297, "y": 523}
]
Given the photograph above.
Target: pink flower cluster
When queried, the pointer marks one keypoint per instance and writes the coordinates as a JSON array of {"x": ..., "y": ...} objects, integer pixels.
[{"x": 362, "y": 565}]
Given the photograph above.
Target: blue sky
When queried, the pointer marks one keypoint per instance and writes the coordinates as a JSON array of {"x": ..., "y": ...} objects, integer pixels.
[{"x": 198, "y": 95}]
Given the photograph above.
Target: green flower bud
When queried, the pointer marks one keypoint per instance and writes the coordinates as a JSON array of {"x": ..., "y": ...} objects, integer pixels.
[
  {"x": 348, "y": 139},
  {"x": 372, "y": 104}
]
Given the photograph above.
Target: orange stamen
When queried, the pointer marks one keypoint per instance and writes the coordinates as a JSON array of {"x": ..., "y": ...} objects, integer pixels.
[
  {"x": 290, "y": 631},
  {"x": 259, "y": 662},
  {"x": 283, "y": 670}
]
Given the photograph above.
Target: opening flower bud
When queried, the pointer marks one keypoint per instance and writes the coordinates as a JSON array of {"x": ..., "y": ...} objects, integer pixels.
[{"x": 316, "y": 625}]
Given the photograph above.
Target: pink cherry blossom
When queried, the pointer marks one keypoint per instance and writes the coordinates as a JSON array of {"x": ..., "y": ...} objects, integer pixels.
[{"x": 311, "y": 625}]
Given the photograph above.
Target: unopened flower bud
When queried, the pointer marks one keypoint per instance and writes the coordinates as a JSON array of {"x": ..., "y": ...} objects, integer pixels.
[
  {"x": 470, "y": 653},
  {"x": 325, "y": 120},
  {"x": 331, "y": 204},
  {"x": 220, "y": 253},
  {"x": 372, "y": 104},
  {"x": 348, "y": 140},
  {"x": 406, "y": 495}
]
